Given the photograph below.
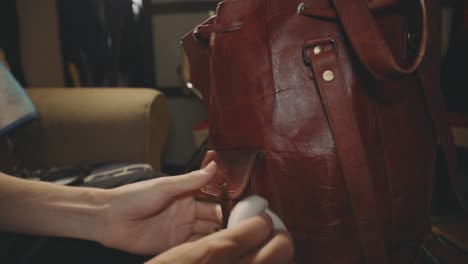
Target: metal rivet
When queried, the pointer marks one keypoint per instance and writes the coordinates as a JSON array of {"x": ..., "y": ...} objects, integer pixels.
[
  {"x": 300, "y": 8},
  {"x": 318, "y": 50},
  {"x": 328, "y": 75}
]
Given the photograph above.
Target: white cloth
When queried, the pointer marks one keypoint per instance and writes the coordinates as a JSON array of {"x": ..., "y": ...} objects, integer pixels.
[{"x": 253, "y": 206}]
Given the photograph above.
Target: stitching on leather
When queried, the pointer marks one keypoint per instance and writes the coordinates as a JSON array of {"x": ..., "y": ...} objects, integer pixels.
[{"x": 238, "y": 190}]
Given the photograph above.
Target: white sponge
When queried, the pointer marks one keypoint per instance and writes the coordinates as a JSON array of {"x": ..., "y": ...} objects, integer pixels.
[{"x": 253, "y": 206}]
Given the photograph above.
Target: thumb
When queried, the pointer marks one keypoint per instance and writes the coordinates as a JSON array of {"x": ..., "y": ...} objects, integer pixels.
[{"x": 192, "y": 181}]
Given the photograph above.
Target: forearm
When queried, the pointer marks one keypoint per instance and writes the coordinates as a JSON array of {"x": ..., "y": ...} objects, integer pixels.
[{"x": 52, "y": 210}]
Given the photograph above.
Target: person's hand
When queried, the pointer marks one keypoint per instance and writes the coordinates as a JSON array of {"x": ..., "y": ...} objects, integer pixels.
[
  {"x": 251, "y": 241},
  {"x": 152, "y": 216}
]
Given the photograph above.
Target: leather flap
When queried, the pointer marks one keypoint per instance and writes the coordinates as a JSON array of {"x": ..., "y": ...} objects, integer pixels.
[{"x": 234, "y": 170}]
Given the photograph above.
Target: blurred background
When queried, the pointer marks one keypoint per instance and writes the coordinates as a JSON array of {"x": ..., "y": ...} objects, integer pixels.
[{"x": 110, "y": 43}]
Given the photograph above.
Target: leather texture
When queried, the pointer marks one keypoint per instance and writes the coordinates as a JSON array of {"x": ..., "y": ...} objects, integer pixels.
[
  {"x": 345, "y": 136},
  {"x": 349, "y": 147},
  {"x": 235, "y": 168},
  {"x": 370, "y": 45}
]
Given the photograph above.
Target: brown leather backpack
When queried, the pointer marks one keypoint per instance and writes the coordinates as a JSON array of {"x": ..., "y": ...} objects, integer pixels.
[{"x": 332, "y": 110}]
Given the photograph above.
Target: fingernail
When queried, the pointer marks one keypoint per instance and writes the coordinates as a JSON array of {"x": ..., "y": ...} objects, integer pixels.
[{"x": 210, "y": 168}]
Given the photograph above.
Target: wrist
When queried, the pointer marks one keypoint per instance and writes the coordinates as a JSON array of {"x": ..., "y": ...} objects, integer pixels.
[
  {"x": 88, "y": 211},
  {"x": 47, "y": 209},
  {"x": 73, "y": 212}
]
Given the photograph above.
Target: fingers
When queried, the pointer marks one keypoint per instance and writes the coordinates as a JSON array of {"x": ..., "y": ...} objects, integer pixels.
[
  {"x": 246, "y": 236},
  {"x": 192, "y": 181},
  {"x": 194, "y": 237},
  {"x": 278, "y": 250},
  {"x": 208, "y": 211},
  {"x": 243, "y": 243},
  {"x": 205, "y": 227}
]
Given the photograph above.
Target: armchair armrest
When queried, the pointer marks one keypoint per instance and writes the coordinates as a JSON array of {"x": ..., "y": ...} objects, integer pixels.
[{"x": 83, "y": 125}]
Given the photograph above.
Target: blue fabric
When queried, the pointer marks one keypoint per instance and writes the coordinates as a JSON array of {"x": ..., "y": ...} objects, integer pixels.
[{"x": 15, "y": 106}]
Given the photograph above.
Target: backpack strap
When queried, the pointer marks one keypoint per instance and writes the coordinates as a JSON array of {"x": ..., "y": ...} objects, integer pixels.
[
  {"x": 429, "y": 74},
  {"x": 380, "y": 62},
  {"x": 369, "y": 43},
  {"x": 439, "y": 115},
  {"x": 328, "y": 77}
]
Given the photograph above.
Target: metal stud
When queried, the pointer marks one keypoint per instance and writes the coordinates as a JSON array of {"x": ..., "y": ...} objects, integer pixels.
[
  {"x": 300, "y": 8},
  {"x": 328, "y": 75},
  {"x": 318, "y": 50},
  {"x": 224, "y": 187}
]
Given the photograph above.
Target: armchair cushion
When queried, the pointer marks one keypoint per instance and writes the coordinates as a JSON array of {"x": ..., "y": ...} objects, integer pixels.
[{"x": 89, "y": 125}]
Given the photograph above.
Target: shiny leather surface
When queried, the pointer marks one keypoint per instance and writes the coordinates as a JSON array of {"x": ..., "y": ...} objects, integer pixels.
[
  {"x": 262, "y": 96},
  {"x": 235, "y": 168}
]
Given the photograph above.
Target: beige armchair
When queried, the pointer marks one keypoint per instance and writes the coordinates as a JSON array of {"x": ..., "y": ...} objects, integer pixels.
[{"x": 90, "y": 125}]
